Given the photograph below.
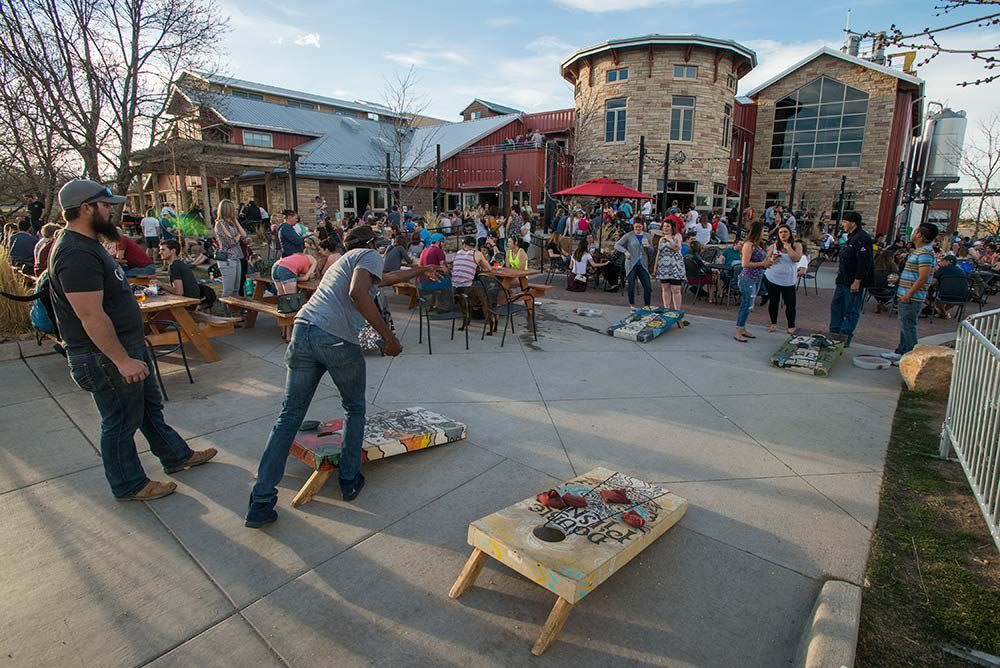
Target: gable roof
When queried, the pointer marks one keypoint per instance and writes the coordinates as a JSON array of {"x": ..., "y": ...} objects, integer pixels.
[
  {"x": 347, "y": 147},
  {"x": 827, "y": 51},
  {"x": 493, "y": 106},
  {"x": 358, "y": 105}
]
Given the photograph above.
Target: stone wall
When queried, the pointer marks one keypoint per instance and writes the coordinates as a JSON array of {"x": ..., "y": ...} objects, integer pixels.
[
  {"x": 822, "y": 186},
  {"x": 649, "y": 95}
]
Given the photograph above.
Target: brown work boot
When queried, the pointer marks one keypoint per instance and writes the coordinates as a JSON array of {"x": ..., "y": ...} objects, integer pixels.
[
  {"x": 197, "y": 458},
  {"x": 154, "y": 489}
]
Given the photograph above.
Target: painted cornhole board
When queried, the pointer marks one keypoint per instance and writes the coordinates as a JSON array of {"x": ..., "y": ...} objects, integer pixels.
[
  {"x": 807, "y": 354},
  {"x": 386, "y": 434},
  {"x": 646, "y": 324},
  {"x": 597, "y": 544}
]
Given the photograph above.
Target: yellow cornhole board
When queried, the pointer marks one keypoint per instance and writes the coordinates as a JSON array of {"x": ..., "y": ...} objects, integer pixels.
[{"x": 597, "y": 541}]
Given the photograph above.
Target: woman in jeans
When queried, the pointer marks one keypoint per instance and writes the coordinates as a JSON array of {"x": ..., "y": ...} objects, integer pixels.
[
  {"x": 755, "y": 260},
  {"x": 780, "y": 278},
  {"x": 228, "y": 233}
]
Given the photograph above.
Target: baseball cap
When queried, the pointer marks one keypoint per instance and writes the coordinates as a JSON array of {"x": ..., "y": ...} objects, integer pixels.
[
  {"x": 437, "y": 236},
  {"x": 951, "y": 258},
  {"x": 854, "y": 217},
  {"x": 85, "y": 191}
]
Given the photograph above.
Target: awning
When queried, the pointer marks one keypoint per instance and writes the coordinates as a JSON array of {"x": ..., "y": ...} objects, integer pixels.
[{"x": 480, "y": 185}]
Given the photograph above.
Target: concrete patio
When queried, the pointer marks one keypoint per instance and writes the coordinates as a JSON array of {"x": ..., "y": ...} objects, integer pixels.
[{"x": 782, "y": 472}]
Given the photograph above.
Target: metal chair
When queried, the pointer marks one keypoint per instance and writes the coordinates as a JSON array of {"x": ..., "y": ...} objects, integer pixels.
[
  {"x": 710, "y": 254},
  {"x": 882, "y": 290},
  {"x": 445, "y": 296},
  {"x": 812, "y": 273},
  {"x": 954, "y": 291},
  {"x": 162, "y": 350},
  {"x": 504, "y": 304}
]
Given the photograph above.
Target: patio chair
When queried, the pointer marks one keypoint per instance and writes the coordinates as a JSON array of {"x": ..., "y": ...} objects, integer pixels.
[
  {"x": 162, "y": 350},
  {"x": 978, "y": 290},
  {"x": 691, "y": 270},
  {"x": 710, "y": 254},
  {"x": 882, "y": 290},
  {"x": 503, "y": 304},
  {"x": 954, "y": 291},
  {"x": 812, "y": 274},
  {"x": 443, "y": 297}
]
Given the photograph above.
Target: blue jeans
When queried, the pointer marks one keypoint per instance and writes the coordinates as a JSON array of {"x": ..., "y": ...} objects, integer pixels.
[
  {"x": 845, "y": 310},
  {"x": 148, "y": 270},
  {"x": 909, "y": 312},
  {"x": 311, "y": 353},
  {"x": 748, "y": 293},
  {"x": 639, "y": 272},
  {"x": 125, "y": 408}
]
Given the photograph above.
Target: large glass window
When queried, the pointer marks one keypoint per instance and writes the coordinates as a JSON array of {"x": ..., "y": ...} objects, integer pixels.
[
  {"x": 774, "y": 197},
  {"x": 248, "y": 96},
  {"x": 682, "y": 118},
  {"x": 727, "y": 124},
  {"x": 262, "y": 139},
  {"x": 614, "y": 120},
  {"x": 824, "y": 122}
]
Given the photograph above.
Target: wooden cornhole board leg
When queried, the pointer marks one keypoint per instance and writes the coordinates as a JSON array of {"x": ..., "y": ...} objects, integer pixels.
[
  {"x": 312, "y": 487},
  {"x": 468, "y": 576},
  {"x": 553, "y": 625}
]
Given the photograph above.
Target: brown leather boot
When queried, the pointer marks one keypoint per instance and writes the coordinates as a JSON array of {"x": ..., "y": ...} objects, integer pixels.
[
  {"x": 154, "y": 489},
  {"x": 197, "y": 458}
]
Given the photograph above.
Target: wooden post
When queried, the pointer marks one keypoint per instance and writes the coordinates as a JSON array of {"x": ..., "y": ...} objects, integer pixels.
[
  {"x": 312, "y": 486},
  {"x": 468, "y": 576},
  {"x": 206, "y": 202},
  {"x": 553, "y": 625},
  {"x": 267, "y": 192},
  {"x": 156, "y": 191}
]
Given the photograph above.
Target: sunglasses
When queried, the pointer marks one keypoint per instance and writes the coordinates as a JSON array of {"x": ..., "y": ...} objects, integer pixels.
[{"x": 106, "y": 192}]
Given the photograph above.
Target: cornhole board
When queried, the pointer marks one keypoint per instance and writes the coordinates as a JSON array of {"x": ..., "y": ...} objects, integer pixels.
[
  {"x": 812, "y": 354},
  {"x": 386, "y": 434},
  {"x": 597, "y": 544},
  {"x": 646, "y": 324}
]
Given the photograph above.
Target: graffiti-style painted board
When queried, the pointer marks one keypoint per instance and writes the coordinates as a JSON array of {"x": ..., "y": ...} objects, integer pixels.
[
  {"x": 597, "y": 543},
  {"x": 646, "y": 324},
  {"x": 812, "y": 354},
  {"x": 386, "y": 434}
]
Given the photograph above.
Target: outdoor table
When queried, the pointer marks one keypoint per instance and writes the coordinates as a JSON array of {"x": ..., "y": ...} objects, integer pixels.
[
  {"x": 508, "y": 277},
  {"x": 597, "y": 541},
  {"x": 141, "y": 280},
  {"x": 260, "y": 283},
  {"x": 178, "y": 307}
]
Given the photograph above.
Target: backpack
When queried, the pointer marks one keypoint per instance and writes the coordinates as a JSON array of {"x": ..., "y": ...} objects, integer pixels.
[{"x": 42, "y": 315}]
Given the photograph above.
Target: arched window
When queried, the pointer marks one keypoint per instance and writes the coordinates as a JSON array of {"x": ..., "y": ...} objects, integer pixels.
[{"x": 824, "y": 122}]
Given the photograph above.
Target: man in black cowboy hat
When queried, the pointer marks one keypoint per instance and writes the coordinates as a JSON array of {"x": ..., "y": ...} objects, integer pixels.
[
  {"x": 855, "y": 273},
  {"x": 325, "y": 340},
  {"x": 102, "y": 329}
]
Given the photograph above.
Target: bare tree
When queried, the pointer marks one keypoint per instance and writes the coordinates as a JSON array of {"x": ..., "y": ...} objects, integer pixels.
[
  {"x": 981, "y": 163},
  {"x": 926, "y": 42},
  {"x": 587, "y": 132},
  {"x": 100, "y": 69},
  {"x": 410, "y": 149}
]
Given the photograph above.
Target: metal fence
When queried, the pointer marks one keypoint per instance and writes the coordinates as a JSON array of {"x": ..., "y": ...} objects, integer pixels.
[{"x": 971, "y": 430}]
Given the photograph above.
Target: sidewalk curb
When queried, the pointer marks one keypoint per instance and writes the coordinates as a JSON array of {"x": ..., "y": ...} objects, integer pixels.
[{"x": 830, "y": 637}]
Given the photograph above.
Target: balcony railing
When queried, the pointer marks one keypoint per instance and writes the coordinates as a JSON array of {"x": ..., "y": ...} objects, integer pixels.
[{"x": 512, "y": 146}]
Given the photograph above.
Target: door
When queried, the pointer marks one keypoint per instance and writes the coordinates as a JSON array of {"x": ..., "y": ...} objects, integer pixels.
[
  {"x": 348, "y": 199},
  {"x": 260, "y": 195}
]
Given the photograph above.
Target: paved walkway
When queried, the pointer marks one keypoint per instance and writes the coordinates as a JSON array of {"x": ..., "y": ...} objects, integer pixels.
[{"x": 782, "y": 472}]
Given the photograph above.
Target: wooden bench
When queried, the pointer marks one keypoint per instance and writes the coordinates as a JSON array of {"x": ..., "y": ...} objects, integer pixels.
[
  {"x": 209, "y": 325},
  {"x": 537, "y": 290},
  {"x": 256, "y": 306},
  {"x": 407, "y": 290}
]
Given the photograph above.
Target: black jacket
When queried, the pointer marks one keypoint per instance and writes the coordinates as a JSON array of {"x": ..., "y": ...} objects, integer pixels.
[{"x": 856, "y": 260}]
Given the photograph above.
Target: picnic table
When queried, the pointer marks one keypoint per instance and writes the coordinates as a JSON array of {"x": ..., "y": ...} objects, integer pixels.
[
  {"x": 261, "y": 303},
  {"x": 177, "y": 306}
]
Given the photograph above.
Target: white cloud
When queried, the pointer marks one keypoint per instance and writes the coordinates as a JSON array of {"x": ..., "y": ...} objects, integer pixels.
[
  {"x": 405, "y": 58},
  {"x": 425, "y": 56},
  {"x": 602, "y": 6},
  {"x": 501, "y": 21},
  {"x": 308, "y": 39},
  {"x": 550, "y": 45}
]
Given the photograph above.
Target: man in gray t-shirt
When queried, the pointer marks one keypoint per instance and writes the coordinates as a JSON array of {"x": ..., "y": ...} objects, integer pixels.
[{"x": 325, "y": 340}]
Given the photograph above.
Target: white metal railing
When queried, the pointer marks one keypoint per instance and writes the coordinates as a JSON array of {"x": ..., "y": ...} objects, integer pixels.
[{"x": 971, "y": 429}]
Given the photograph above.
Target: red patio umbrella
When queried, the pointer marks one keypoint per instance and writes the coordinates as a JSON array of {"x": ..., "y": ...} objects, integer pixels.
[{"x": 603, "y": 187}]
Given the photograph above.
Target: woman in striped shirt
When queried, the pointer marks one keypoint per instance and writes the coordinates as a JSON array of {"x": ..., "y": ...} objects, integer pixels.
[{"x": 463, "y": 272}]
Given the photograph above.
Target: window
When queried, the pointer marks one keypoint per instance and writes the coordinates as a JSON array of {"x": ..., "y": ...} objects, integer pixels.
[
  {"x": 773, "y": 198},
  {"x": 300, "y": 105},
  {"x": 248, "y": 96},
  {"x": 685, "y": 71},
  {"x": 727, "y": 124},
  {"x": 718, "y": 195},
  {"x": 824, "y": 122},
  {"x": 372, "y": 116},
  {"x": 682, "y": 118},
  {"x": 378, "y": 199},
  {"x": 523, "y": 198},
  {"x": 471, "y": 200},
  {"x": 476, "y": 115},
  {"x": 849, "y": 201},
  {"x": 262, "y": 139},
  {"x": 614, "y": 120},
  {"x": 453, "y": 201},
  {"x": 677, "y": 187},
  {"x": 731, "y": 82},
  {"x": 620, "y": 74}
]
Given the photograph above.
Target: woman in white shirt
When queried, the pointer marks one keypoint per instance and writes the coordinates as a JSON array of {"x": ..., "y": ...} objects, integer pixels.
[
  {"x": 781, "y": 277},
  {"x": 579, "y": 262}
]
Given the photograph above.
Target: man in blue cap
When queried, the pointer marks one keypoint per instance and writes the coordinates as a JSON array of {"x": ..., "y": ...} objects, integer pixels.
[{"x": 433, "y": 256}]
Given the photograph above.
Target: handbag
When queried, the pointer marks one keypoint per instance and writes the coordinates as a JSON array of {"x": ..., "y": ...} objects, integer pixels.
[{"x": 290, "y": 303}]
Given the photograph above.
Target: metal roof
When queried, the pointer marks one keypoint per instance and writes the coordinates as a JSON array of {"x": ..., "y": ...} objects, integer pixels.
[
  {"x": 293, "y": 94},
  {"x": 493, "y": 106},
  {"x": 646, "y": 40},
  {"x": 347, "y": 147},
  {"x": 827, "y": 51}
]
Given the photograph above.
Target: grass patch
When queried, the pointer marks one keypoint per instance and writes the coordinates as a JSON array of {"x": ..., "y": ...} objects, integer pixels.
[{"x": 934, "y": 572}]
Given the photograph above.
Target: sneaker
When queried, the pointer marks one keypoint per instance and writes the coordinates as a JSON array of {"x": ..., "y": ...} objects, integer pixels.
[
  {"x": 351, "y": 490},
  {"x": 892, "y": 357},
  {"x": 197, "y": 458},
  {"x": 154, "y": 489},
  {"x": 259, "y": 514}
]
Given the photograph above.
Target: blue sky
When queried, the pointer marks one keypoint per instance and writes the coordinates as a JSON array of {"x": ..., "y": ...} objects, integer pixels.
[{"x": 509, "y": 52}]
